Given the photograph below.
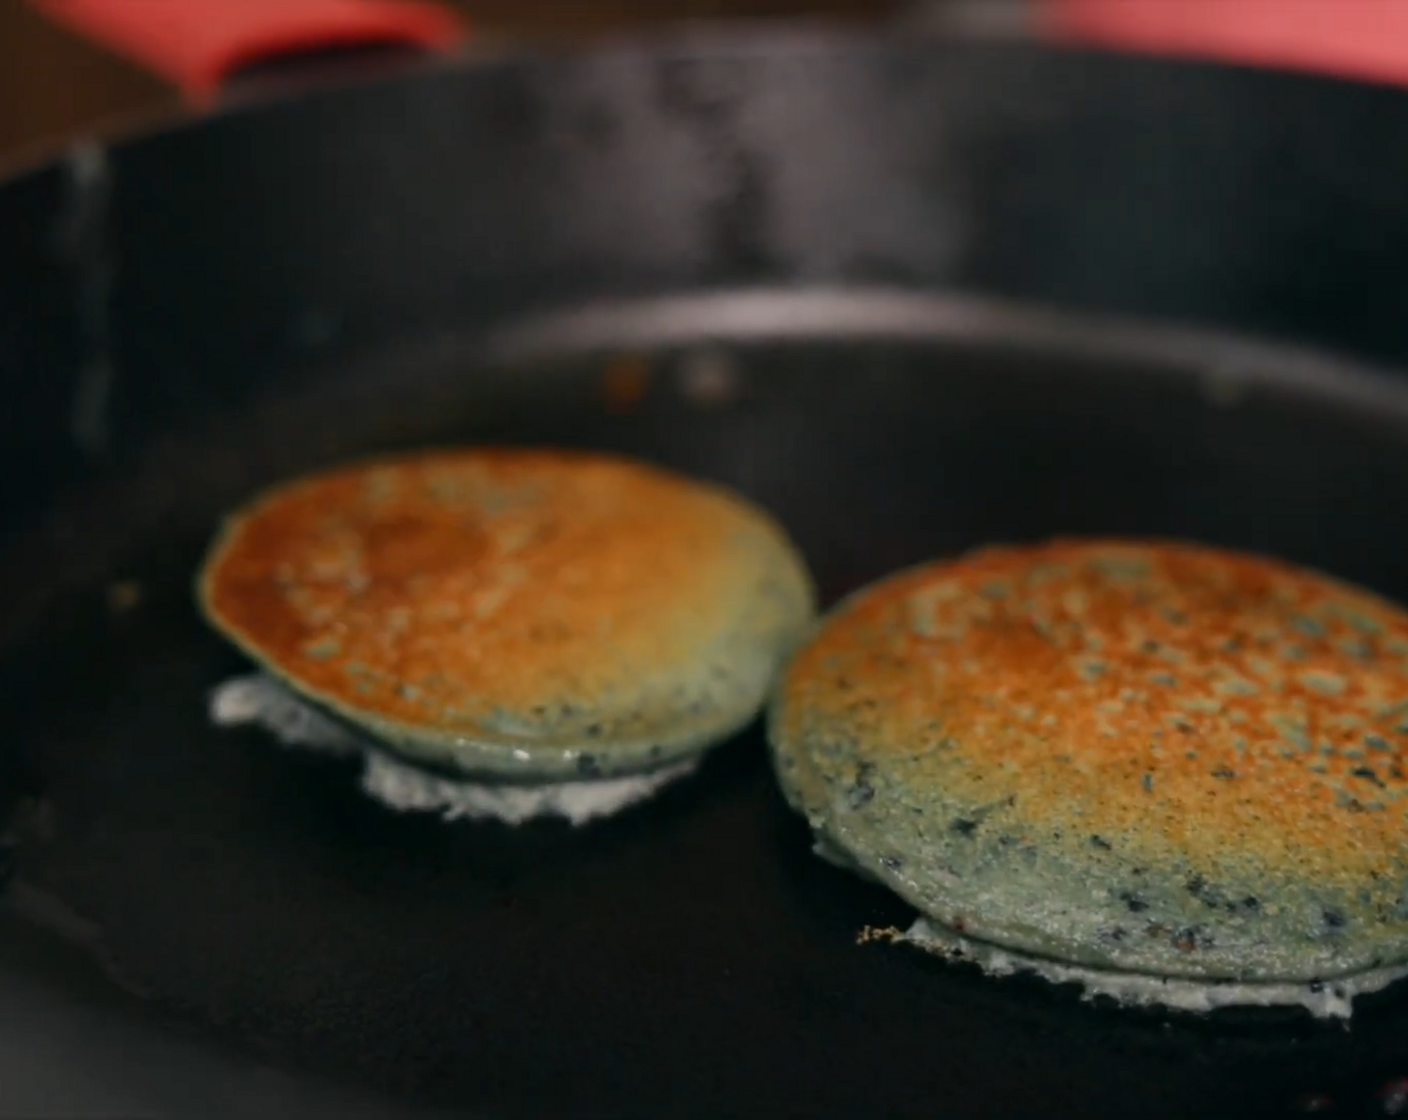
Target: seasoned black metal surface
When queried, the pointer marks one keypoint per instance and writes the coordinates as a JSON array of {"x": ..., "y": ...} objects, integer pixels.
[
  {"x": 690, "y": 958},
  {"x": 165, "y": 275},
  {"x": 189, "y": 316}
]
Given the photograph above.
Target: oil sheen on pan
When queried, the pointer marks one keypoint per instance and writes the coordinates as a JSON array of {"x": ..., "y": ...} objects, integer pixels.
[
  {"x": 1172, "y": 773},
  {"x": 505, "y": 632}
]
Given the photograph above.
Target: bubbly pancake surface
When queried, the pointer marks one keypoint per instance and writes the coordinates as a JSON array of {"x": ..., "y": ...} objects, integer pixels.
[
  {"x": 515, "y": 612},
  {"x": 1153, "y": 757}
]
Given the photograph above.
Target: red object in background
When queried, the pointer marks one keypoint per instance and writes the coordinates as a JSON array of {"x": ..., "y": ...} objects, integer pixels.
[
  {"x": 197, "y": 44},
  {"x": 1362, "y": 39}
]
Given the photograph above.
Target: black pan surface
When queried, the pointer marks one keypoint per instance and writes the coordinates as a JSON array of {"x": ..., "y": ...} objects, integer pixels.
[
  {"x": 692, "y": 957},
  {"x": 190, "y": 317}
]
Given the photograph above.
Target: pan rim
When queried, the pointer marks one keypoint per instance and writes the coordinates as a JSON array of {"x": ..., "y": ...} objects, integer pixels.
[
  {"x": 1226, "y": 364},
  {"x": 802, "y": 37}
]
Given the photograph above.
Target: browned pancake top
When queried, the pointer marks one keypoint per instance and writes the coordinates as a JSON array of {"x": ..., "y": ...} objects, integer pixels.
[
  {"x": 454, "y": 589},
  {"x": 1175, "y": 700}
]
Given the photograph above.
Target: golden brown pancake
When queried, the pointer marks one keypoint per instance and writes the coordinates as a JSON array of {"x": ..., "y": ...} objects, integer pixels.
[
  {"x": 524, "y": 614},
  {"x": 1148, "y": 757}
]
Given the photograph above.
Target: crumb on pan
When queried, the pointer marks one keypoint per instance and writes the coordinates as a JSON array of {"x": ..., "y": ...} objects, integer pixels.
[{"x": 399, "y": 785}]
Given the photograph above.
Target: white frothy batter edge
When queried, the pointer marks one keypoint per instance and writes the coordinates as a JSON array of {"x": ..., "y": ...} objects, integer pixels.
[
  {"x": 1333, "y": 1000},
  {"x": 258, "y": 699}
]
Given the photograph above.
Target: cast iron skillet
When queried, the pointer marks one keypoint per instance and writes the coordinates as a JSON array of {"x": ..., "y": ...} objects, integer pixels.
[{"x": 912, "y": 296}]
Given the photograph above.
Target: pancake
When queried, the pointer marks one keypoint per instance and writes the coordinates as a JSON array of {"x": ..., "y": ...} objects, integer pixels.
[
  {"x": 1111, "y": 761},
  {"x": 520, "y": 617}
]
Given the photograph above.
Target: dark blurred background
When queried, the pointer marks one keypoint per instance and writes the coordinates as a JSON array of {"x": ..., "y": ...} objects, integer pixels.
[{"x": 52, "y": 86}]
